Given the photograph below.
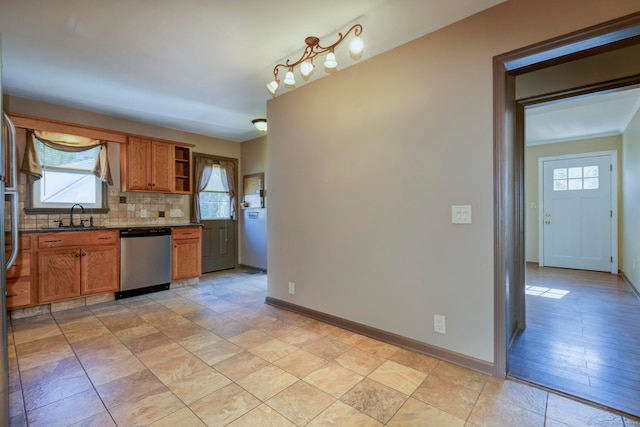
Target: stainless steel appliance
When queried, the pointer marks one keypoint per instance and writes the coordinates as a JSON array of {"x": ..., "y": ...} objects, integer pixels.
[
  {"x": 145, "y": 260},
  {"x": 8, "y": 225}
]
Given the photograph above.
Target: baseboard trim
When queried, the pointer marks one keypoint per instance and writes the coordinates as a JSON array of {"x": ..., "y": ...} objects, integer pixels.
[
  {"x": 388, "y": 337},
  {"x": 628, "y": 281},
  {"x": 251, "y": 267}
]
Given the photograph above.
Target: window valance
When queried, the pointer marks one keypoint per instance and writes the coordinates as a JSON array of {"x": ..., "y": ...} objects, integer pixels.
[{"x": 63, "y": 142}]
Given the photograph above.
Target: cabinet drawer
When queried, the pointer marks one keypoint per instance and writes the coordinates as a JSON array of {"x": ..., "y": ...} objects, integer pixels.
[
  {"x": 18, "y": 292},
  {"x": 80, "y": 238},
  {"x": 186, "y": 233},
  {"x": 22, "y": 266}
]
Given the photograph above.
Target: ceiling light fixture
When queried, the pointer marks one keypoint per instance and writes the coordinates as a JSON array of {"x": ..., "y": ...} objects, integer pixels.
[
  {"x": 260, "y": 124},
  {"x": 312, "y": 50}
]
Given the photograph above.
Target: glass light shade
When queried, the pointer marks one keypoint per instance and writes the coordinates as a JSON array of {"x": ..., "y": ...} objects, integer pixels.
[
  {"x": 306, "y": 68},
  {"x": 330, "y": 62},
  {"x": 289, "y": 79},
  {"x": 272, "y": 87},
  {"x": 356, "y": 46},
  {"x": 260, "y": 124}
]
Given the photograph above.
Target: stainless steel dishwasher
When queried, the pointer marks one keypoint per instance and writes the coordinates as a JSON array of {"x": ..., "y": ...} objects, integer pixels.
[{"x": 145, "y": 260}]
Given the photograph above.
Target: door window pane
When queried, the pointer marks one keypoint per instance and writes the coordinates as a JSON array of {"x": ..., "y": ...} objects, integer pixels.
[
  {"x": 591, "y": 184},
  {"x": 559, "y": 185},
  {"x": 214, "y": 201},
  {"x": 560, "y": 173},
  {"x": 575, "y": 172},
  {"x": 578, "y": 178},
  {"x": 591, "y": 171},
  {"x": 575, "y": 184}
]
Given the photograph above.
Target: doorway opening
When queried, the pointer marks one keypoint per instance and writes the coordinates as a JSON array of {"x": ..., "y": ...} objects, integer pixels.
[
  {"x": 577, "y": 338},
  {"x": 509, "y": 195}
]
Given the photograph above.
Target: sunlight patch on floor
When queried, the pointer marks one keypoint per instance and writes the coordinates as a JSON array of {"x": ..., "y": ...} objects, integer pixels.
[{"x": 541, "y": 291}]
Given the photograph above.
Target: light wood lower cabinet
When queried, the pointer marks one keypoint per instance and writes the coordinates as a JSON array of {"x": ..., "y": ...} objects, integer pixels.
[
  {"x": 76, "y": 264},
  {"x": 58, "y": 274},
  {"x": 186, "y": 253},
  {"x": 19, "y": 276},
  {"x": 99, "y": 270}
]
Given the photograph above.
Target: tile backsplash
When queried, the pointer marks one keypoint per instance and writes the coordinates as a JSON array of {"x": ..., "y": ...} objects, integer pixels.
[{"x": 135, "y": 209}]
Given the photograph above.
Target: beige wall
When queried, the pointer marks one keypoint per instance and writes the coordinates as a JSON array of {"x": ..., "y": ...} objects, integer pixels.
[
  {"x": 533, "y": 154},
  {"x": 203, "y": 144},
  {"x": 360, "y": 195},
  {"x": 631, "y": 201}
]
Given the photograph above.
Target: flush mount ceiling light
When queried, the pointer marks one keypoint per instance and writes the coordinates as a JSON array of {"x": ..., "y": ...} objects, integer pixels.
[
  {"x": 260, "y": 124},
  {"x": 312, "y": 50}
]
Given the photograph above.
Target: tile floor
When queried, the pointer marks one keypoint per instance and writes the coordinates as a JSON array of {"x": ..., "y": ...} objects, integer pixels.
[{"x": 214, "y": 354}]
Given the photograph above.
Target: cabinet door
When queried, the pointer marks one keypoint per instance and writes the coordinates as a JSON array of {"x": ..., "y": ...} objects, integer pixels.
[
  {"x": 162, "y": 166},
  {"x": 100, "y": 269},
  {"x": 58, "y": 274},
  {"x": 138, "y": 174},
  {"x": 186, "y": 259}
]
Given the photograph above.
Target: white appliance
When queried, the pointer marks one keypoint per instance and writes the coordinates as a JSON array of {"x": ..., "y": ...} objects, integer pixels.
[{"x": 9, "y": 194}]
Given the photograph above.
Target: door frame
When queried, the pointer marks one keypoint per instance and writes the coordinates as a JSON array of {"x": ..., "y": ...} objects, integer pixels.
[
  {"x": 216, "y": 158},
  {"x": 613, "y": 158},
  {"x": 508, "y": 158}
]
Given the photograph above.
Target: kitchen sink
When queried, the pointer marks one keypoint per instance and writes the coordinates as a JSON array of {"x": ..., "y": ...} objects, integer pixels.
[{"x": 71, "y": 228}]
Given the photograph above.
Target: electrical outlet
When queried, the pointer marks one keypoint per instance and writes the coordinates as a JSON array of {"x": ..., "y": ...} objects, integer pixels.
[
  {"x": 439, "y": 324},
  {"x": 292, "y": 288}
]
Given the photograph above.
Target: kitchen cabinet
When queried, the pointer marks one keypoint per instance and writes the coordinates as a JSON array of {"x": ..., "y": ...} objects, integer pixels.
[
  {"x": 186, "y": 252},
  {"x": 19, "y": 276},
  {"x": 75, "y": 264},
  {"x": 148, "y": 165}
]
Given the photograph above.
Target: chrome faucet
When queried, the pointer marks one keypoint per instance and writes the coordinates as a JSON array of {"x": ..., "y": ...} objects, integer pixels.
[{"x": 71, "y": 224}]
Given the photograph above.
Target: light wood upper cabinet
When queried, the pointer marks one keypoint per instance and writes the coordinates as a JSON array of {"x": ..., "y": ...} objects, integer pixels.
[
  {"x": 186, "y": 253},
  {"x": 148, "y": 165}
]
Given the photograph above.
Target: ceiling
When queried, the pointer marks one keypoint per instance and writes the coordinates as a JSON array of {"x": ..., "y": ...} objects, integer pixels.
[
  {"x": 195, "y": 65},
  {"x": 592, "y": 116}
]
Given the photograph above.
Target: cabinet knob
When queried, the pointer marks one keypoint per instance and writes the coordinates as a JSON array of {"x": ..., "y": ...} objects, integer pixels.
[
  {"x": 84, "y": 254},
  {"x": 77, "y": 255}
]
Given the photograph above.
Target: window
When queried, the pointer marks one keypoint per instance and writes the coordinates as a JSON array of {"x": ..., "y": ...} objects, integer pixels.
[
  {"x": 214, "y": 200},
  {"x": 578, "y": 178},
  {"x": 67, "y": 179}
]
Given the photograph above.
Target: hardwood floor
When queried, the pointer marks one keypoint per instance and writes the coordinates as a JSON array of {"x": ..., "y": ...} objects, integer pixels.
[{"x": 582, "y": 337}]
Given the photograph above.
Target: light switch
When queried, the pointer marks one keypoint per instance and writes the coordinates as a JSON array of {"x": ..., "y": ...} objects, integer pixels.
[{"x": 461, "y": 214}]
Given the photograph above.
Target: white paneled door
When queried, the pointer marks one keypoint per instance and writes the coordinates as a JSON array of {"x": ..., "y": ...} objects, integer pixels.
[{"x": 578, "y": 213}]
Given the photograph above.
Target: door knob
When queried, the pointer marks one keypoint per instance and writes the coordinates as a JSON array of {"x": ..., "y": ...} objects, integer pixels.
[
  {"x": 548, "y": 214},
  {"x": 547, "y": 222}
]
